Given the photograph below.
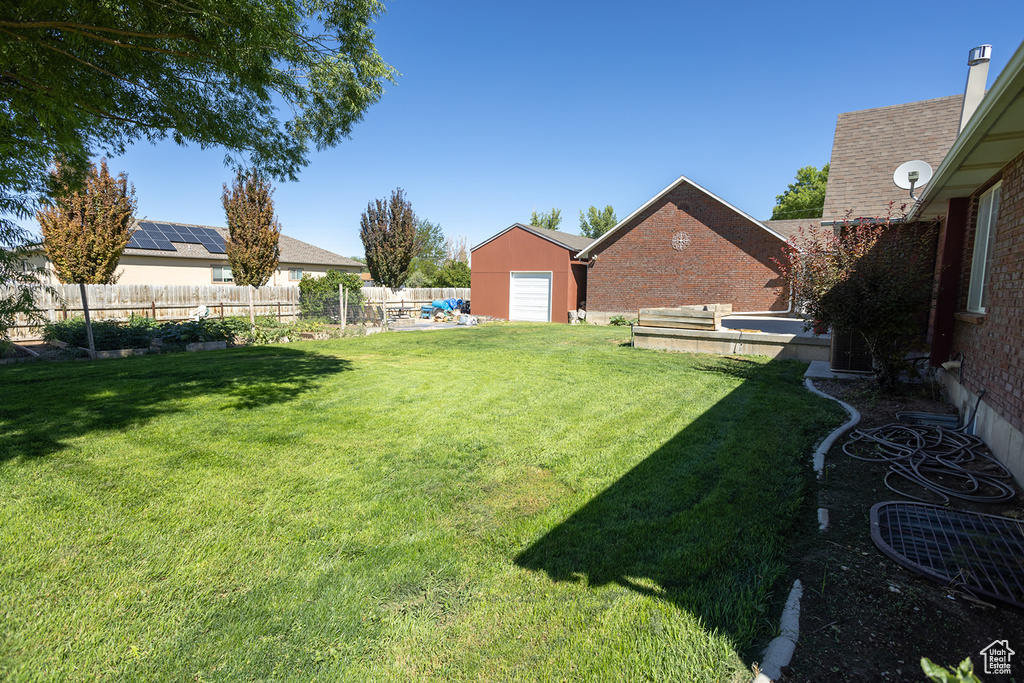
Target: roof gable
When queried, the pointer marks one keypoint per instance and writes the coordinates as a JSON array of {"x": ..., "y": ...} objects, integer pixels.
[
  {"x": 563, "y": 239},
  {"x": 870, "y": 144},
  {"x": 596, "y": 244}
]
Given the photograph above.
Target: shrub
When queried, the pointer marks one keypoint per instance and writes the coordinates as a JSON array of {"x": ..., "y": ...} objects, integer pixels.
[
  {"x": 874, "y": 277},
  {"x": 318, "y": 296},
  {"x": 109, "y": 335}
]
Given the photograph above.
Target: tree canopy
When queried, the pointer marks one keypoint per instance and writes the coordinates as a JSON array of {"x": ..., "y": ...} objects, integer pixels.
[
  {"x": 253, "y": 230},
  {"x": 86, "y": 230},
  {"x": 79, "y": 76},
  {"x": 388, "y": 231},
  {"x": 547, "y": 220},
  {"x": 596, "y": 223},
  {"x": 805, "y": 198},
  {"x": 430, "y": 253}
]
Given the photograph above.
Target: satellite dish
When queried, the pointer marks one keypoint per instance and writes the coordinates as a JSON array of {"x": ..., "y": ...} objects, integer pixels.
[{"x": 903, "y": 179}]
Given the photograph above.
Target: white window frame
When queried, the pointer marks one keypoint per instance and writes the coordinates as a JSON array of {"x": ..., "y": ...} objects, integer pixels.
[
  {"x": 291, "y": 272},
  {"x": 223, "y": 281},
  {"x": 984, "y": 242}
]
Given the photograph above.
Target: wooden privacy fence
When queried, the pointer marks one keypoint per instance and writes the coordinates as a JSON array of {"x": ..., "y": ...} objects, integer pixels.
[
  {"x": 160, "y": 302},
  {"x": 411, "y": 294}
]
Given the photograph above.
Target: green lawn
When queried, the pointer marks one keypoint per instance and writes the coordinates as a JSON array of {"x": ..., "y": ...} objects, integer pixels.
[{"x": 511, "y": 502}]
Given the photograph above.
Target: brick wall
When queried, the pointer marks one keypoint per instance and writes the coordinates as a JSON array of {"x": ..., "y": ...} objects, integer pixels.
[
  {"x": 993, "y": 344},
  {"x": 726, "y": 260}
]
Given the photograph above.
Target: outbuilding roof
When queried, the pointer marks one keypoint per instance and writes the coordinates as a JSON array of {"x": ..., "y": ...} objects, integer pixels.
[
  {"x": 563, "y": 239},
  {"x": 870, "y": 144},
  {"x": 292, "y": 250},
  {"x": 590, "y": 248}
]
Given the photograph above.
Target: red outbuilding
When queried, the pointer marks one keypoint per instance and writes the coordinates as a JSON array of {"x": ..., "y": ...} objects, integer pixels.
[{"x": 529, "y": 273}]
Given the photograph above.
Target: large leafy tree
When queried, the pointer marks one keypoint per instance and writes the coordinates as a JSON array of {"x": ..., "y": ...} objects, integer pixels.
[
  {"x": 430, "y": 253},
  {"x": 253, "y": 229},
  {"x": 452, "y": 274},
  {"x": 547, "y": 220},
  {"x": 86, "y": 230},
  {"x": 596, "y": 223},
  {"x": 81, "y": 76},
  {"x": 874, "y": 277},
  {"x": 388, "y": 231},
  {"x": 805, "y": 198}
]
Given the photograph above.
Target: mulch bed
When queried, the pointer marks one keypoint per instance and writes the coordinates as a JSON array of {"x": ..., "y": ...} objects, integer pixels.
[{"x": 864, "y": 617}]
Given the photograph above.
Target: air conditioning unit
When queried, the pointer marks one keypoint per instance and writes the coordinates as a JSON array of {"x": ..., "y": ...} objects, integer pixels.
[{"x": 849, "y": 352}]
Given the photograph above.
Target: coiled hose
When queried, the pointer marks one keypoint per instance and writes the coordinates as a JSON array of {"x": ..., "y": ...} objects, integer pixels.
[{"x": 946, "y": 462}]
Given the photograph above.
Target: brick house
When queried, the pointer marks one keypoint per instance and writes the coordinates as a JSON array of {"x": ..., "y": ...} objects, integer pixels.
[
  {"x": 685, "y": 246},
  {"x": 977, "y": 318}
]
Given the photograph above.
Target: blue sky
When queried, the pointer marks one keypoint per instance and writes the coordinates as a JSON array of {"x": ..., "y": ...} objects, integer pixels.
[{"x": 506, "y": 108}]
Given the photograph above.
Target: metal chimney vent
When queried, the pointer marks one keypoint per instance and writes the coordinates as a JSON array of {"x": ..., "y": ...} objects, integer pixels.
[{"x": 980, "y": 54}]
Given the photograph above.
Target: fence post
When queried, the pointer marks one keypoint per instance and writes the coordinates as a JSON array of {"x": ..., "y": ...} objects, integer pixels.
[
  {"x": 343, "y": 296},
  {"x": 154, "y": 310}
]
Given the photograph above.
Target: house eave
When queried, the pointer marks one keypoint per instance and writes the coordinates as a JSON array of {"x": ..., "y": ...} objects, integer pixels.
[{"x": 992, "y": 138}]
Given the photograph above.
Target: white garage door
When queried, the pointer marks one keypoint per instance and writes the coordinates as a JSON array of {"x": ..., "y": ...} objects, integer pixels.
[{"x": 529, "y": 297}]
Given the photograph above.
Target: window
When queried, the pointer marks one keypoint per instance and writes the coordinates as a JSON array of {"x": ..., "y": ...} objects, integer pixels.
[
  {"x": 295, "y": 274},
  {"x": 222, "y": 274},
  {"x": 984, "y": 240}
]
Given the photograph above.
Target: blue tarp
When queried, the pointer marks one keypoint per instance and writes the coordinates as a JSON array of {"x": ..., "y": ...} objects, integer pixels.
[{"x": 448, "y": 304}]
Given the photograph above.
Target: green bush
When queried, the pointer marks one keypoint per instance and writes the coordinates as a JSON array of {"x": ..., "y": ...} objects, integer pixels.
[
  {"x": 108, "y": 335},
  {"x": 140, "y": 332},
  {"x": 318, "y": 296},
  {"x": 620, "y": 320},
  {"x": 192, "y": 331}
]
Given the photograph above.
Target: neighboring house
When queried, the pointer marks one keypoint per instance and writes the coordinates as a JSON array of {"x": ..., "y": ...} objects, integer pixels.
[
  {"x": 183, "y": 254},
  {"x": 869, "y": 145},
  {"x": 685, "y": 246},
  {"x": 978, "y": 315},
  {"x": 529, "y": 273}
]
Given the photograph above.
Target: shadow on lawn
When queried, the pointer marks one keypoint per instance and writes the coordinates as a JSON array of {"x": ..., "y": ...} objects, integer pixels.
[
  {"x": 45, "y": 405},
  {"x": 703, "y": 521}
]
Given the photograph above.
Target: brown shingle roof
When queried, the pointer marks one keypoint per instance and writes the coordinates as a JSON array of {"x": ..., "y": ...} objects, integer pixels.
[
  {"x": 870, "y": 144},
  {"x": 292, "y": 251},
  {"x": 573, "y": 243},
  {"x": 789, "y": 227}
]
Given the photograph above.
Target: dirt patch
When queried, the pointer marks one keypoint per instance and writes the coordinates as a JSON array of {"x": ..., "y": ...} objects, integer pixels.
[{"x": 863, "y": 617}]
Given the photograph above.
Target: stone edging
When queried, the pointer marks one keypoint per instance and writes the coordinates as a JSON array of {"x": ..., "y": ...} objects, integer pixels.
[{"x": 780, "y": 651}]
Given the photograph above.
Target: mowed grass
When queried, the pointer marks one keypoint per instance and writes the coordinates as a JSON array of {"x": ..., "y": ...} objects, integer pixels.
[{"x": 513, "y": 502}]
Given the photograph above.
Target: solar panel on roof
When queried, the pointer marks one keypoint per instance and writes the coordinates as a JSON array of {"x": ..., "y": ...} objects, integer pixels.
[{"x": 160, "y": 235}]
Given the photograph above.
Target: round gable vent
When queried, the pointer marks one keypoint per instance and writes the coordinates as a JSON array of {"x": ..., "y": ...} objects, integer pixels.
[{"x": 680, "y": 241}]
